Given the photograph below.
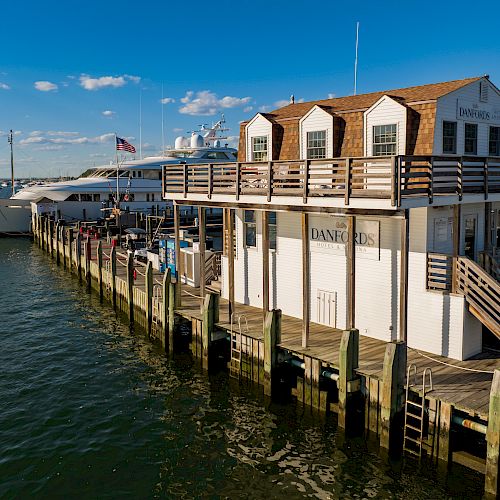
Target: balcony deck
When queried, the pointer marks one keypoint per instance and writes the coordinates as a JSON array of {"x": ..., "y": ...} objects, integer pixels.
[{"x": 390, "y": 182}]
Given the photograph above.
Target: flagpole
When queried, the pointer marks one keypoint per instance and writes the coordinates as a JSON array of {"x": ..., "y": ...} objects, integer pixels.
[{"x": 117, "y": 175}]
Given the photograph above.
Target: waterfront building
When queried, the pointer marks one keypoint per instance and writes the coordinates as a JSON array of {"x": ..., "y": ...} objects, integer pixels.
[{"x": 378, "y": 212}]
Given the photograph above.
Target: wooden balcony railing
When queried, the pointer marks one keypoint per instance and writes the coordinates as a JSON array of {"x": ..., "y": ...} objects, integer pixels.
[{"x": 388, "y": 177}]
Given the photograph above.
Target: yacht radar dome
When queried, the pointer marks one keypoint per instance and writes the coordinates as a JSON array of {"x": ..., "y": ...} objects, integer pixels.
[
  {"x": 197, "y": 141},
  {"x": 180, "y": 142}
]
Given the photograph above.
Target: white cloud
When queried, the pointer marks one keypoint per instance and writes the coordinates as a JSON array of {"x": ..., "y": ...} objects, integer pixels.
[
  {"x": 247, "y": 109},
  {"x": 331, "y": 96},
  {"x": 45, "y": 86},
  {"x": 281, "y": 103},
  {"x": 89, "y": 83},
  {"x": 167, "y": 100},
  {"x": 6, "y": 133},
  {"x": 132, "y": 78},
  {"x": 177, "y": 129},
  {"x": 207, "y": 103},
  {"x": 264, "y": 109},
  {"x": 50, "y": 147},
  {"x": 4, "y": 86},
  {"x": 146, "y": 146},
  {"x": 98, "y": 155},
  {"x": 108, "y": 113},
  {"x": 69, "y": 140}
]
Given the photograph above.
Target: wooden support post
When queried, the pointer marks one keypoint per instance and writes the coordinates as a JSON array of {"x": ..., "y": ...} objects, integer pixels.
[
  {"x": 171, "y": 317},
  {"x": 210, "y": 304},
  {"x": 130, "y": 287},
  {"x": 70, "y": 248},
  {"x": 165, "y": 339},
  {"x": 202, "y": 236},
  {"x": 392, "y": 401},
  {"x": 348, "y": 363},
  {"x": 445, "y": 412},
  {"x": 57, "y": 235},
  {"x": 99, "y": 269},
  {"x": 487, "y": 224},
  {"x": 351, "y": 271},
  {"x": 230, "y": 258},
  {"x": 63, "y": 244},
  {"x": 272, "y": 337},
  {"x": 177, "y": 255},
  {"x": 149, "y": 296},
  {"x": 456, "y": 244},
  {"x": 112, "y": 258},
  {"x": 265, "y": 262},
  {"x": 88, "y": 255},
  {"x": 306, "y": 277},
  {"x": 403, "y": 278},
  {"x": 491, "y": 487},
  {"x": 51, "y": 237},
  {"x": 79, "y": 255}
]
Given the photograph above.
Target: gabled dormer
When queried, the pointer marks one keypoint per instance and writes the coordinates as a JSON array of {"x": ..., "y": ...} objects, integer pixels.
[
  {"x": 316, "y": 130},
  {"x": 259, "y": 138},
  {"x": 385, "y": 127}
]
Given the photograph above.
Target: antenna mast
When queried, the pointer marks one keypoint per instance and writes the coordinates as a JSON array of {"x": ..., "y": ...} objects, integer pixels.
[
  {"x": 162, "y": 124},
  {"x": 140, "y": 123},
  {"x": 356, "y": 60},
  {"x": 11, "y": 142}
]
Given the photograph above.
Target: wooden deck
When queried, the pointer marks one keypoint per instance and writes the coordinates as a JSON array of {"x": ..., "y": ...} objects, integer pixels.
[{"x": 453, "y": 382}]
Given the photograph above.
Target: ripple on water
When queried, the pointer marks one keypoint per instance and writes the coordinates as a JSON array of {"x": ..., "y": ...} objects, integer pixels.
[{"x": 90, "y": 409}]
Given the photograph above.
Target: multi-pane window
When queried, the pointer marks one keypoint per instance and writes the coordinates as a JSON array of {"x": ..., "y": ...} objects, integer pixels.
[
  {"x": 470, "y": 146},
  {"x": 272, "y": 230},
  {"x": 259, "y": 148},
  {"x": 449, "y": 137},
  {"x": 494, "y": 143},
  {"x": 316, "y": 144},
  {"x": 250, "y": 224},
  {"x": 384, "y": 140}
]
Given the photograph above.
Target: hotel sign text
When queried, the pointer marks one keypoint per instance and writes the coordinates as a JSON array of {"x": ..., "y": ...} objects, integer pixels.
[
  {"x": 329, "y": 235},
  {"x": 477, "y": 112}
]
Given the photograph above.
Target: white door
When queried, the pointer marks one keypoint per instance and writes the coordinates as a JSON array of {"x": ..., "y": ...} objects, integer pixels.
[{"x": 326, "y": 303}]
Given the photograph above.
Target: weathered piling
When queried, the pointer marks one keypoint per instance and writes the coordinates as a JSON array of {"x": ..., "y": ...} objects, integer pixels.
[
  {"x": 57, "y": 238},
  {"x": 130, "y": 287},
  {"x": 166, "y": 340},
  {"x": 272, "y": 337},
  {"x": 171, "y": 315},
  {"x": 149, "y": 296},
  {"x": 88, "y": 256},
  {"x": 112, "y": 258},
  {"x": 79, "y": 255},
  {"x": 210, "y": 313},
  {"x": 70, "y": 248},
  {"x": 392, "y": 400},
  {"x": 348, "y": 363},
  {"x": 493, "y": 439},
  {"x": 99, "y": 270}
]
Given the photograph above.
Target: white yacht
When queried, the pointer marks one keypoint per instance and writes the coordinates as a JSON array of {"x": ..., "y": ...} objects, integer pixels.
[{"x": 138, "y": 184}]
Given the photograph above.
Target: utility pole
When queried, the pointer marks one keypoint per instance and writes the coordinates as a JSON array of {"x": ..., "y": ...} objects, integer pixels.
[{"x": 11, "y": 141}]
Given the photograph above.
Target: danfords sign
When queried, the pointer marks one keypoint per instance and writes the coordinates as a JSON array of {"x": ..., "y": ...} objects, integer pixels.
[
  {"x": 476, "y": 112},
  {"x": 329, "y": 235}
]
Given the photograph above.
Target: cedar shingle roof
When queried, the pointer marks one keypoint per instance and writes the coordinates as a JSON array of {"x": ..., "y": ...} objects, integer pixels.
[{"x": 363, "y": 101}]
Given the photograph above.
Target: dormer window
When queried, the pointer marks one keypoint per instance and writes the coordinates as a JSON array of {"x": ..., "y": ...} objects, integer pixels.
[
  {"x": 316, "y": 144},
  {"x": 259, "y": 148},
  {"x": 384, "y": 140}
]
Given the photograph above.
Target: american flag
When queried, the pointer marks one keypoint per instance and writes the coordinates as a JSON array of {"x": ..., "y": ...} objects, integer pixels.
[{"x": 123, "y": 145}]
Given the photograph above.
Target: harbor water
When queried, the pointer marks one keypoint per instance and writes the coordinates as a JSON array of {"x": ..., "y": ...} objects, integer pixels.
[{"x": 90, "y": 409}]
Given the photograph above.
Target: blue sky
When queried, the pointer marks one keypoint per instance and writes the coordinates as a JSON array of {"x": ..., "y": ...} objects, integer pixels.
[{"x": 65, "y": 64}]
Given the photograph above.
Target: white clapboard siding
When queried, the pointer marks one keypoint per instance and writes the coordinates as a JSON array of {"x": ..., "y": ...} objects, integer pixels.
[
  {"x": 259, "y": 126},
  {"x": 386, "y": 111},
  {"x": 446, "y": 110},
  {"x": 317, "y": 119}
]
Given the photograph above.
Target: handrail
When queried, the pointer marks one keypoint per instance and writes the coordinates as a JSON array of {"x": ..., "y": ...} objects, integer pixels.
[
  {"x": 489, "y": 264},
  {"x": 385, "y": 177},
  {"x": 481, "y": 291}
]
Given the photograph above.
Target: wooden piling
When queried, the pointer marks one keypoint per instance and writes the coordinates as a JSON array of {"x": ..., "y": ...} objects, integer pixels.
[
  {"x": 130, "y": 287},
  {"x": 99, "y": 270},
  {"x": 70, "y": 248},
  {"x": 444, "y": 425},
  {"x": 165, "y": 338},
  {"x": 79, "y": 255},
  {"x": 112, "y": 258},
  {"x": 272, "y": 337},
  {"x": 88, "y": 255},
  {"x": 392, "y": 401},
  {"x": 210, "y": 304},
  {"x": 57, "y": 238},
  {"x": 491, "y": 487},
  {"x": 149, "y": 296},
  {"x": 63, "y": 245},
  {"x": 171, "y": 316},
  {"x": 348, "y": 363}
]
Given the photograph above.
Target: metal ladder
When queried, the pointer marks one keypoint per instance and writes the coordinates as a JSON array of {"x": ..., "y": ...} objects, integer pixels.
[
  {"x": 240, "y": 347},
  {"x": 415, "y": 412},
  {"x": 157, "y": 291}
]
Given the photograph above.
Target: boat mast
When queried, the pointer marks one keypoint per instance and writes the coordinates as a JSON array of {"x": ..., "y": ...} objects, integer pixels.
[
  {"x": 117, "y": 175},
  {"x": 11, "y": 142}
]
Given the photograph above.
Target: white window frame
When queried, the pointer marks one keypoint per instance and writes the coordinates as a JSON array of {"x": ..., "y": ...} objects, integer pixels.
[
  {"x": 316, "y": 148},
  {"x": 264, "y": 152},
  {"x": 385, "y": 142},
  {"x": 497, "y": 141},
  {"x": 454, "y": 152},
  {"x": 465, "y": 138}
]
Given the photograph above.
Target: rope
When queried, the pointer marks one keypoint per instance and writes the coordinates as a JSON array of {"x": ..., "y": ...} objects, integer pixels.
[
  {"x": 450, "y": 364},
  {"x": 191, "y": 294}
]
